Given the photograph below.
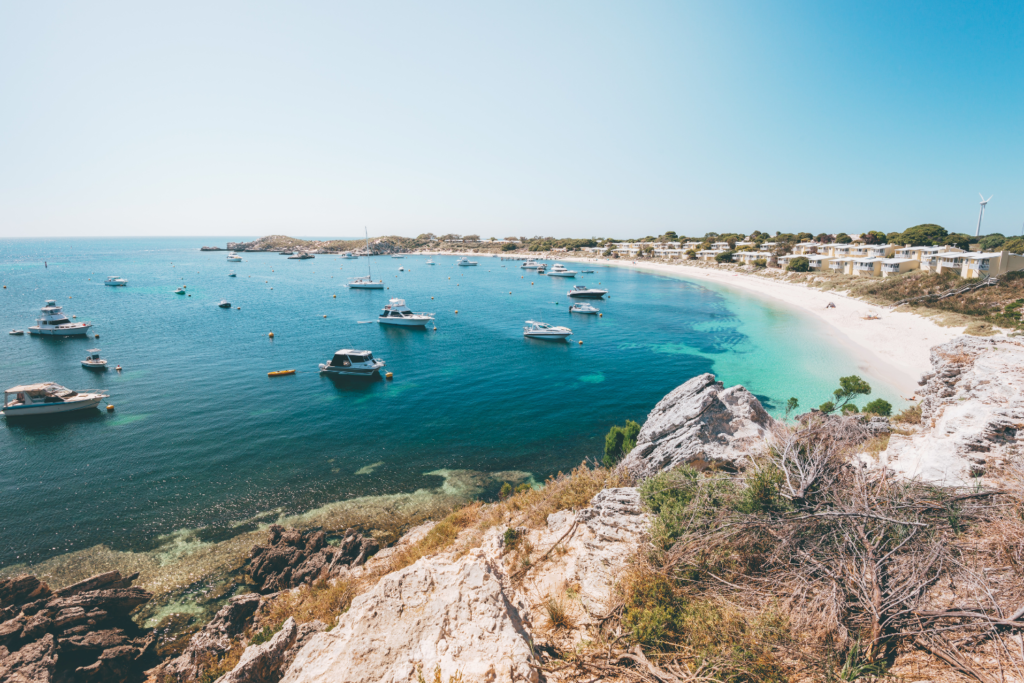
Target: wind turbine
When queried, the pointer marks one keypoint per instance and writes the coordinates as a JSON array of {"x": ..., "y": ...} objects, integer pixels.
[{"x": 977, "y": 233}]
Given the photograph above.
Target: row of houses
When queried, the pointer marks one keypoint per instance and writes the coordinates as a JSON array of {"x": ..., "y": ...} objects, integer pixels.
[{"x": 896, "y": 261}]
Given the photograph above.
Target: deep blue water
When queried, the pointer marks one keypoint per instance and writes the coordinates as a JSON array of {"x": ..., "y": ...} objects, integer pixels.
[{"x": 201, "y": 438}]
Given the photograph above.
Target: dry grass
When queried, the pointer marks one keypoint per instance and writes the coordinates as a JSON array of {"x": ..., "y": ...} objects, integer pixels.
[
  {"x": 981, "y": 330},
  {"x": 440, "y": 538},
  {"x": 875, "y": 445},
  {"x": 324, "y": 600},
  {"x": 559, "y": 613},
  {"x": 571, "y": 491},
  {"x": 911, "y": 415},
  {"x": 960, "y": 358}
]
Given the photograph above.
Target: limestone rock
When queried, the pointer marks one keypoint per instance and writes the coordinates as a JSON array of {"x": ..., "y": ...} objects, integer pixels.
[
  {"x": 972, "y": 413},
  {"x": 454, "y": 614},
  {"x": 700, "y": 423},
  {"x": 293, "y": 558},
  {"x": 21, "y": 589},
  {"x": 263, "y": 663}
]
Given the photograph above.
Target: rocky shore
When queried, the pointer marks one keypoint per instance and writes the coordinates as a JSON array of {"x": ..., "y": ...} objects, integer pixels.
[{"x": 491, "y": 591}]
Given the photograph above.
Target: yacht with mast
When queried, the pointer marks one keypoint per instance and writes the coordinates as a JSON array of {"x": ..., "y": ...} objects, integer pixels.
[
  {"x": 53, "y": 322},
  {"x": 366, "y": 282}
]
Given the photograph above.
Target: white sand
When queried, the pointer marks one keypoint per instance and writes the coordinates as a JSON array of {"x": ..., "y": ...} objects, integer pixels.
[{"x": 895, "y": 347}]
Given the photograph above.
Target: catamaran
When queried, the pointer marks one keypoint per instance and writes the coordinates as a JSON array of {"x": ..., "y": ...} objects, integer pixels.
[{"x": 366, "y": 282}]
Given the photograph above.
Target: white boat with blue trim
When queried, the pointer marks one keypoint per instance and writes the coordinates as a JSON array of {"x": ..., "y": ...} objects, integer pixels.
[
  {"x": 539, "y": 330},
  {"x": 115, "y": 281},
  {"x": 47, "y": 398}
]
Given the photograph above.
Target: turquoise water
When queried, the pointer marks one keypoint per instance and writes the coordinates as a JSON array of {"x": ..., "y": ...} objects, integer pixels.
[{"x": 201, "y": 439}]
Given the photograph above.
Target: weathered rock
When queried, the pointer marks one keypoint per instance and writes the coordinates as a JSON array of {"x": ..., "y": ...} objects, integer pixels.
[
  {"x": 114, "y": 664},
  {"x": 36, "y": 626},
  {"x": 436, "y": 612},
  {"x": 700, "y": 423},
  {"x": 10, "y": 630},
  {"x": 21, "y": 589},
  {"x": 972, "y": 413},
  {"x": 294, "y": 558},
  {"x": 111, "y": 600},
  {"x": 263, "y": 663},
  {"x": 305, "y": 634},
  {"x": 214, "y": 639},
  {"x": 95, "y": 640},
  {"x": 34, "y": 663},
  {"x": 107, "y": 580}
]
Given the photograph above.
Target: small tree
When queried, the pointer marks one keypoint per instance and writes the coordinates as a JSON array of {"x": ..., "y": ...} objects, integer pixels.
[
  {"x": 799, "y": 265},
  {"x": 843, "y": 238},
  {"x": 619, "y": 442},
  {"x": 691, "y": 254},
  {"x": 471, "y": 238},
  {"x": 849, "y": 388},
  {"x": 760, "y": 263},
  {"x": 725, "y": 256},
  {"x": 879, "y": 407},
  {"x": 791, "y": 405},
  {"x": 508, "y": 246}
]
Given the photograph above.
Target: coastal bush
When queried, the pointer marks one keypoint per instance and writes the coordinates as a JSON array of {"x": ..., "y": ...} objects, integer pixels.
[
  {"x": 619, "y": 441},
  {"x": 879, "y": 407},
  {"x": 505, "y": 492},
  {"x": 509, "y": 246},
  {"x": 760, "y": 263},
  {"x": 992, "y": 242},
  {"x": 843, "y": 238},
  {"x": 981, "y": 330},
  {"x": 725, "y": 256},
  {"x": 850, "y": 387},
  {"x": 559, "y": 612},
  {"x": 1013, "y": 245},
  {"x": 924, "y": 235},
  {"x": 323, "y": 600},
  {"x": 799, "y": 265},
  {"x": 911, "y": 415}
]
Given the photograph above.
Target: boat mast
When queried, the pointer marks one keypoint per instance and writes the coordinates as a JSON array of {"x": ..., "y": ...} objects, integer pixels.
[{"x": 368, "y": 273}]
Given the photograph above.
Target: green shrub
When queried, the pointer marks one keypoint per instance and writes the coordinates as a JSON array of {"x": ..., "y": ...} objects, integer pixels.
[
  {"x": 619, "y": 442},
  {"x": 799, "y": 265},
  {"x": 506, "y": 491},
  {"x": 762, "y": 492},
  {"x": 760, "y": 263},
  {"x": 725, "y": 256},
  {"x": 509, "y": 246},
  {"x": 879, "y": 407}
]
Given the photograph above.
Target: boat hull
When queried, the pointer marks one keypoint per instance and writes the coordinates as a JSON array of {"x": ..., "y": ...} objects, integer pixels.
[
  {"x": 587, "y": 295},
  {"x": 561, "y": 274},
  {"x": 115, "y": 284},
  {"x": 405, "y": 322},
  {"x": 554, "y": 335},
  {"x": 61, "y": 332},
  {"x": 464, "y": 265},
  {"x": 349, "y": 372},
  {"x": 52, "y": 408},
  {"x": 371, "y": 285}
]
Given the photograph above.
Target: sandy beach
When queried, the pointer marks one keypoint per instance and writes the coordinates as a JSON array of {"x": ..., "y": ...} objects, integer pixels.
[{"x": 895, "y": 346}]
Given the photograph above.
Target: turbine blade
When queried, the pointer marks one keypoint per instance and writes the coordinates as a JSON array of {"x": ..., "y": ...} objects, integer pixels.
[{"x": 982, "y": 196}]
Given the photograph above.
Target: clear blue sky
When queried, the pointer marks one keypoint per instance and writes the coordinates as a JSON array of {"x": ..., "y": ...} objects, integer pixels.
[{"x": 616, "y": 119}]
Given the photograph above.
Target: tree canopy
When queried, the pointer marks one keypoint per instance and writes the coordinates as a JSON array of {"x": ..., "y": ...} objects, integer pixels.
[
  {"x": 991, "y": 242},
  {"x": 924, "y": 235}
]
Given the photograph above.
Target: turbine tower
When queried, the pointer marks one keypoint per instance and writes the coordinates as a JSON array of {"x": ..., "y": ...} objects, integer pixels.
[{"x": 977, "y": 233}]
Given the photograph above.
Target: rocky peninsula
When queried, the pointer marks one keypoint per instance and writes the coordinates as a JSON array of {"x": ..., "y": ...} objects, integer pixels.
[{"x": 725, "y": 545}]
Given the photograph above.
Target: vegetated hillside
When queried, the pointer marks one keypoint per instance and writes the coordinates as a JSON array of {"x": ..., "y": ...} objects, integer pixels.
[
  {"x": 378, "y": 245},
  {"x": 998, "y": 305}
]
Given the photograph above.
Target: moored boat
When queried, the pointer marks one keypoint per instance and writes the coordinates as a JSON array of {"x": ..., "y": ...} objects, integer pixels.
[
  {"x": 93, "y": 360},
  {"x": 54, "y": 323},
  {"x": 538, "y": 330},
  {"x": 583, "y": 307},
  {"x": 224, "y": 303},
  {"x": 115, "y": 281},
  {"x": 465, "y": 262},
  {"x": 584, "y": 292},
  {"x": 366, "y": 282},
  {"x": 397, "y": 313},
  {"x": 558, "y": 270},
  {"x": 46, "y": 398},
  {"x": 179, "y": 290},
  {"x": 233, "y": 257},
  {"x": 17, "y": 332},
  {"x": 232, "y": 274},
  {"x": 352, "y": 362}
]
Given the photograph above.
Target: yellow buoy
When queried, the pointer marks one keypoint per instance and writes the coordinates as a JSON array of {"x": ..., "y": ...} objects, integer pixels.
[
  {"x": 581, "y": 343},
  {"x": 510, "y": 292},
  {"x": 110, "y": 407},
  {"x": 271, "y": 335},
  {"x": 600, "y": 315},
  {"x": 325, "y": 316},
  {"x": 431, "y": 298},
  {"x": 74, "y": 316},
  {"x": 388, "y": 376},
  {"x": 335, "y": 296},
  {"x": 97, "y": 336},
  {"x": 456, "y": 312},
  {"x": 280, "y": 373},
  {"x": 435, "y": 328}
]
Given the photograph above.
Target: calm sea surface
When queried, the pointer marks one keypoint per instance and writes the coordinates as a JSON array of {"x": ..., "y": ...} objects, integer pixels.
[{"x": 202, "y": 440}]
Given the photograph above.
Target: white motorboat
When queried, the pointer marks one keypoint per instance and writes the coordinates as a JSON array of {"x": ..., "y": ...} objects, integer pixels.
[
  {"x": 530, "y": 264},
  {"x": 93, "y": 360},
  {"x": 179, "y": 290},
  {"x": 583, "y": 307},
  {"x": 352, "y": 362},
  {"x": 115, "y": 281},
  {"x": 539, "y": 330},
  {"x": 53, "y": 322},
  {"x": 430, "y": 262},
  {"x": 465, "y": 262},
  {"x": 232, "y": 274},
  {"x": 224, "y": 303},
  {"x": 584, "y": 292},
  {"x": 398, "y": 256},
  {"x": 401, "y": 269},
  {"x": 46, "y": 398},
  {"x": 234, "y": 257},
  {"x": 558, "y": 270},
  {"x": 301, "y": 256},
  {"x": 348, "y": 255},
  {"x": 367, "y": 281},
  {"x": 586, "y": 271},
  {"x": 397, "y": 313},
  {"x": 17, "y": 332}
]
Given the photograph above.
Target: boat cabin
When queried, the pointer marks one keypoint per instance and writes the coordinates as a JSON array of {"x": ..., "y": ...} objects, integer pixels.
[
  {"x": 396, "y": 308},
  {"x": 53, "y": 314},
  {"x": 345, "y": 358},
  {"x": 36, "y": 394}
]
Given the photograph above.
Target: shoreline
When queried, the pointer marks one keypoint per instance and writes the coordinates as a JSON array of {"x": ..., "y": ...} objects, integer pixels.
[{"x": 896, "y": 347}]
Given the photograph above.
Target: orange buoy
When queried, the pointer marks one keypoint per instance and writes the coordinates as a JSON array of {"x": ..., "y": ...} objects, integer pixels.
[
  {"x": 97, "y": 336},
  {"x": 271, "y": 335},
  {"x": 456, "y": 312},
  {"x": 388, "y": 376},
  {"x": 581, "y": 343},
  {"x": 335, "y": 296},
  {"x": 238, "y": 308},
  {"x": 325, "y": 316},
  {"x": 110, "y": 407},
  {"x": 600, "y": 315}
]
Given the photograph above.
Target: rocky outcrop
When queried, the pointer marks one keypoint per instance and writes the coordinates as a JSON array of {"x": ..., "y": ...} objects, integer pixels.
[
  {"x": 972, "y": 413},
  {"x": 438, "y": 612},
  {"x": 263, "y": 663},
  {"x": 214, "y": 640},
  {"x": 82, "y": 632},
  {"x": 293, "y": 558},
  {"x": 700, "y": 423}
]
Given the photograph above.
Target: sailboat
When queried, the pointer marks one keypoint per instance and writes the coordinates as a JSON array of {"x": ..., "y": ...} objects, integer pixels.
[{"x": 366, "y": 282}]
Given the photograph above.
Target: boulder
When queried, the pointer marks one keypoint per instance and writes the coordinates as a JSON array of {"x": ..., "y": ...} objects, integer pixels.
[
  {"x": 972, "y": 414},
  {"x": 293, "y": 558},
  {"x": 33, "y": 663},
  {"x": 700, "y": 423},
  {"x": 263, "y": 663},
  {"x": 21, "y": 589},
  {"x": 437, "y": 612}
]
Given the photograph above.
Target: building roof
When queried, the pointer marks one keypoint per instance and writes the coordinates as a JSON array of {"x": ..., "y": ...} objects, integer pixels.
[{"x": 898, "y": 260}]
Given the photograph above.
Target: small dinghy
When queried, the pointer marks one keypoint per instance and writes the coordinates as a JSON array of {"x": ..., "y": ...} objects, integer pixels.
[
  {"x": 17, "y": 332},
  {"x": 179, "y": 290},
  {"x": 224, "y": 304},
  {"x": 232, "y": 274},
  {"x": 93, "y": 360}
]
